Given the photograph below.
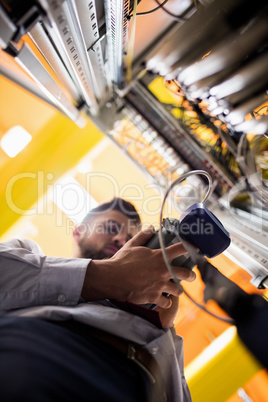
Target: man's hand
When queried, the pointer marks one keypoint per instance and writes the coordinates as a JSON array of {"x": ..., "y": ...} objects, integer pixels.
[
  {"x": 135, "y": 273},
  {"x": 167, "y": 315}
]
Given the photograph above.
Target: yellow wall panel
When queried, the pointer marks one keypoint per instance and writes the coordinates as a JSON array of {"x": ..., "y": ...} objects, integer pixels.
[
  {"x": 56, "y": 148},
  {"x": 222, "y": 368}
]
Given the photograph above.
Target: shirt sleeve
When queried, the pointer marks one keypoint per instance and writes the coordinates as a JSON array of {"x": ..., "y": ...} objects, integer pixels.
[{"x": 29, "y": 278}]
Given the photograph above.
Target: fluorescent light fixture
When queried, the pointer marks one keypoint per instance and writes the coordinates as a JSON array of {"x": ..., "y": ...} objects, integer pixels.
[
  {"x": 14, "y": 140},
  {"x": 84, "y": 166},
  {"x": 72, "y": 199}
]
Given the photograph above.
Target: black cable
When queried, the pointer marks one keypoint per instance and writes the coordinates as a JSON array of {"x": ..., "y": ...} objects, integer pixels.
[
  {"x": 202, "y": 307},
  {"x": 178, "y": 18},
  {"x": 160, "y": 5}
]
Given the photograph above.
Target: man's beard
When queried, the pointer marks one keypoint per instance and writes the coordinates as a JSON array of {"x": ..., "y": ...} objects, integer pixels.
[{"x": 92, "y": 254}]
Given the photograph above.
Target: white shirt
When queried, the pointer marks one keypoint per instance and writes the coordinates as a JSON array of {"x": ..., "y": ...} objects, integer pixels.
[{"x": 34, "y": 285}]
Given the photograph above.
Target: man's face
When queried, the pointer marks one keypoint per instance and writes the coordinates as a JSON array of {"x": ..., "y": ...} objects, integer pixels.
[{"x": 104, "y": 235}]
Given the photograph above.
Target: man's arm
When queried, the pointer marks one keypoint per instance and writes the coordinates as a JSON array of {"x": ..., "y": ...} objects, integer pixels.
[
  {"x": 28, "y": 278},
  {"x": 134, "y": 273}
]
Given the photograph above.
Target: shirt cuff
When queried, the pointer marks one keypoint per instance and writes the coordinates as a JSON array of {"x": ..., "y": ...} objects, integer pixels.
[{"x": 63, "y": 280}]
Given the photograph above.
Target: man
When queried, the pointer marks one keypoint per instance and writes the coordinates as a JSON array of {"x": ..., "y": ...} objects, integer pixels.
[{"x": 76, "y": 329}]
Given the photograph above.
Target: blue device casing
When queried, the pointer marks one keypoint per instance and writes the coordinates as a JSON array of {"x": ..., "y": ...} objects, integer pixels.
[{"x": 200, "y": 226}]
